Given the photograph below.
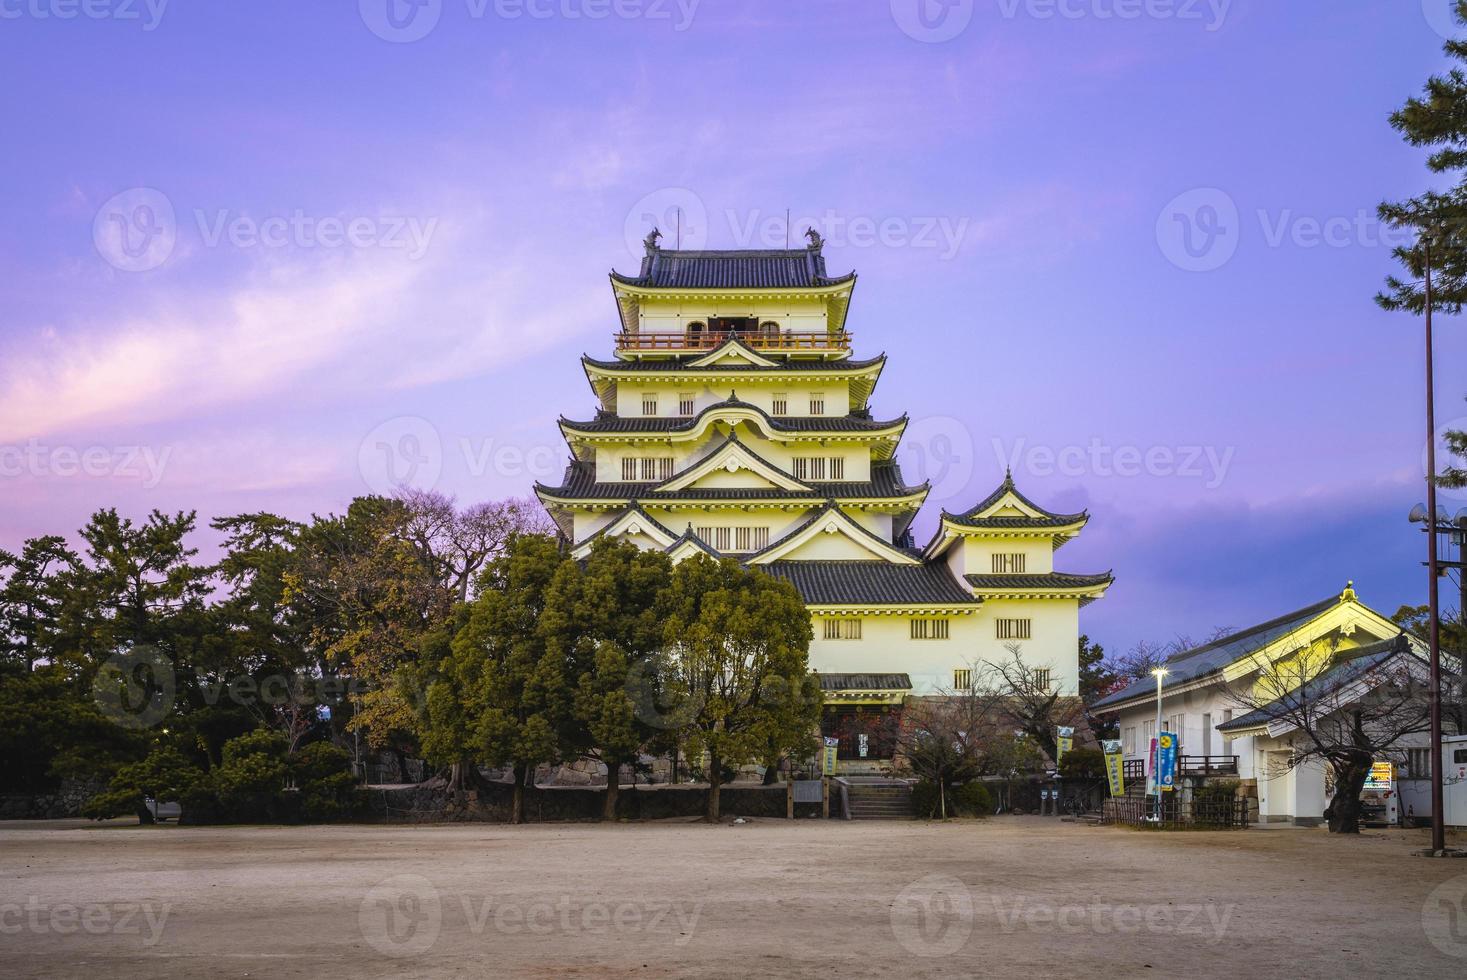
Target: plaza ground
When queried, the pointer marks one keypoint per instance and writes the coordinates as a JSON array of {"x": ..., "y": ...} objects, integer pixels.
[{"x": 1010, "y": 896}]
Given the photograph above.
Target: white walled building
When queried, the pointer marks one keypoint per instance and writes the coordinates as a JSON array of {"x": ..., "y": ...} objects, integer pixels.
[{"x": 1199, "y": 704}]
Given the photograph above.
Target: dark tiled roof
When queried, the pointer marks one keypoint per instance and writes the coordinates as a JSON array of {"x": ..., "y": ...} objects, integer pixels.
[
  {"x": 1353, "y": 666},
  {"x": 634, "y": 508},
  {"x": 682, "y": 364},
  {"x": 825, "y": 583},
  {"x": 691, "y": 535},
  {"x": 1053, "y": 580},
  {"x": 733, "y": 268},
  {"x": 1048, "y": 518},
  {"x": 1209, "y": 658},
  {"x": 580, "y": 483},
  {"x": 865, "y": 682},
  {"x": 854, "y": 422}
]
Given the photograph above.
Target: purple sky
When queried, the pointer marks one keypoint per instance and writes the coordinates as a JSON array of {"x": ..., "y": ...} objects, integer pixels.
[{"x": 1084, "y": 236}]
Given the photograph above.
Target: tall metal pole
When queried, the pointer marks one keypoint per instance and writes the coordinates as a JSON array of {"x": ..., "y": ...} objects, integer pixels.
[
  {"x": 1438, "y": 824},
  {"x": 1156, "y": 745}
]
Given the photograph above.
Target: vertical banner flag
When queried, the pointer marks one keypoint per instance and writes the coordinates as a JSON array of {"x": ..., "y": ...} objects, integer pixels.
[
  {"x": 828, "y": 767},
  {"x": 1166, "y": 762},
  {"x": 1063, "y": 743},
  {"x": 1114, "y": 769},
  {"x": 1151, "y": 770}
]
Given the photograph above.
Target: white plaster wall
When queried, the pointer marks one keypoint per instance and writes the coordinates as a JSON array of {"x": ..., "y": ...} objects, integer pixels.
[
  {"x": 886, "y": 646},
  {"x": 800, "y": 316},
  {"x": 753, "y": 389}
]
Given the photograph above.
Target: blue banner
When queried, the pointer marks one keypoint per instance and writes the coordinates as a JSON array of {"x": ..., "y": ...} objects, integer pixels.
[{"x": 1166, "y": 761}]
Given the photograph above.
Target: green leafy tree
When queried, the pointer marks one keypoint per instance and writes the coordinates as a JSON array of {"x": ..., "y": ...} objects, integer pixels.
[
  {"x": 605, "y": 618},
  {"x": 1436, "y": 119},
  {"x": 505, "y": 694},
  {"x": 30, "y": 599},
  {"x": 736, "y": 645}
]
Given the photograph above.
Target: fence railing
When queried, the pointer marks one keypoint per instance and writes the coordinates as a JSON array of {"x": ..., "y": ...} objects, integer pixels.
[
  {"x": 1207, "y": 765},
  {"x": 1171, "y": 811}
]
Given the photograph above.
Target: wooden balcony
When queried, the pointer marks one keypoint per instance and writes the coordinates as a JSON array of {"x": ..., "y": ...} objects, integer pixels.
[{"x": 712, "y": 339}]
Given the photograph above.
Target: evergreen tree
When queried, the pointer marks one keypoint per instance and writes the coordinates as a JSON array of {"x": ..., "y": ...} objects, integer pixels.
[{"x": 737, "y": 642}]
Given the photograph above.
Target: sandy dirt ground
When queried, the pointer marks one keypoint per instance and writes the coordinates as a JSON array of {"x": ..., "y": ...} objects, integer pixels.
[{"x": 1009, "y": 897}]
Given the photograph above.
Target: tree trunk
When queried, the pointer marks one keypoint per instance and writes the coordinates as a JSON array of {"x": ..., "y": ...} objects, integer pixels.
[
  {"x": 715, "y": 779},
  {"x": 145, "y": 816},
  {"x": 1344, "y": 805},
  {"x": 771, "y": 772},
  {"x": 517, "y": 798},
  {"x": 613, "y": 787}
]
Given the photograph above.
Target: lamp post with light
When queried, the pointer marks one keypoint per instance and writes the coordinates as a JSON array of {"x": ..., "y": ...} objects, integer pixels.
[{"x": 1158, "y": 673}]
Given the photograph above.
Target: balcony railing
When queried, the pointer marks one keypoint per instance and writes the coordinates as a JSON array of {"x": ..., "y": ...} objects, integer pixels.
[
  {"x": 710, "y": 339},
  {"x": 1207, "y": 765}
]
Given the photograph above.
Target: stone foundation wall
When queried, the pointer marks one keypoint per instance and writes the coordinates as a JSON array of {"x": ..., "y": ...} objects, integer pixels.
[
  {"x": 422, "y": 804},
  {"x": 65, "y": 801}
]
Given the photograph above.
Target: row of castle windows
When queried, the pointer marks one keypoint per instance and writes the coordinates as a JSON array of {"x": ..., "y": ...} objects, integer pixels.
[
  {"x": 927, "y": 629},
  {"x": 686, "y": 404}
]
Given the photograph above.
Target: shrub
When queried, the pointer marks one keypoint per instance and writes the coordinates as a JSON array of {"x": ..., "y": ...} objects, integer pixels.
[
  {"x": 1083, "y": 764},
  {"x": 972, "y": 800},
  {"x": 322, "y": 771},
  {"x": 164, "y": 775},
  {"x": 963, "y": 800}
]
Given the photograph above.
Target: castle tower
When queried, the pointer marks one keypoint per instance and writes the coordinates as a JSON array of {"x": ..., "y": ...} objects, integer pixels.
[{"x": 734, "y": 420}]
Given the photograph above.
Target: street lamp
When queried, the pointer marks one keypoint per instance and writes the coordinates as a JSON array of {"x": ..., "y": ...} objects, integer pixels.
[{"x": 1158, "y": 673}]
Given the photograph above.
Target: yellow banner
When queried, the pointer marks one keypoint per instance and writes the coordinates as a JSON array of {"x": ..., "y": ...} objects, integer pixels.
[
  {"x": 1115, "y": 771},
  {"x": 1063, "y": 743},
  {"x": 828, "y": 760}
]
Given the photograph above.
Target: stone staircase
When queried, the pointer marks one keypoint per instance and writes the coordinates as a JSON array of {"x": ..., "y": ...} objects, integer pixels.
[{"x": 881, "y": 801}]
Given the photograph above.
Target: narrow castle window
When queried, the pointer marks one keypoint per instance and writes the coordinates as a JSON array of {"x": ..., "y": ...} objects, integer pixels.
[
  {"x": 685, "y": 404},
  {"x": 1015, "y": 629},
  {"x": 649, "y": 404},
  {"x": 781, "y": 404},
  {"x": 1008, "y": 564},
  {"x": 817, "y": 404}
]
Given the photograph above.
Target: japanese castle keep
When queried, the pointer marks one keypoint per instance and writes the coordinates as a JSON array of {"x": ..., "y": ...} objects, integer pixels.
[{"x": 735, "y": 420}]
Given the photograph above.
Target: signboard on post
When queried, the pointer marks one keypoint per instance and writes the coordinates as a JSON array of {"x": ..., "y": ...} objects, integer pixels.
[
  {"x": 827, "y": 766},
  {"x": 1382, "y": 775},
  {"x": 1114, "y": 766},
  {"x": 1166, "y": 762},
  {"x": 1064, "y": 741}
]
